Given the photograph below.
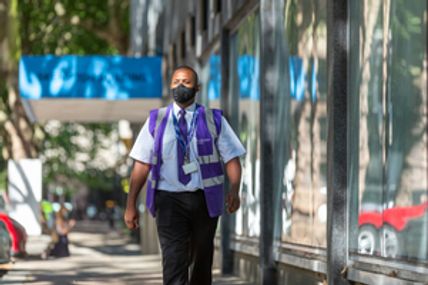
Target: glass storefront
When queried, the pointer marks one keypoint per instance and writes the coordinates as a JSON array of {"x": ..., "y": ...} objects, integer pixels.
[
  {"x": 383, "y": 44},
  {"x": 210, "y": 79},
  {"x": 244, "y": 94},
  {"x": 210, "y": 90},
  {"x": 301, "y": 125},
  {"x": 388, "y": 143}
]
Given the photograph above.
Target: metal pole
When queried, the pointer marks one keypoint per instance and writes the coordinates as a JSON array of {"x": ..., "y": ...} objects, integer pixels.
[
  {"x": 337, "y": 197},
  {"x": 268, "y": 88},
  {"x": 226, "y": 220}
]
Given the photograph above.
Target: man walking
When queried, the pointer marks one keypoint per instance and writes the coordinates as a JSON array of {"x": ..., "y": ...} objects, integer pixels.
[{"x": 182, "y": 152}]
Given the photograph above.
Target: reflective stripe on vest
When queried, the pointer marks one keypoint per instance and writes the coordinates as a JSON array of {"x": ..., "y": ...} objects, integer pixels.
[
  {"x": 213, "y": 181},
  {"x": 214, "y": 158},
  {"x": 154, "y": 159},
  {"x": 211, "y": 167},
  {"x": 157, "y": 123},
  {"x": 160, "y": 116},
  {"x": 205, "y": 159}
]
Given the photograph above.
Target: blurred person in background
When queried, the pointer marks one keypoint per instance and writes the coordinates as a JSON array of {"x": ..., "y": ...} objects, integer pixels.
[
  {"x": 111, "y": 211},
  {"x": 63, "y": 226},
  {"x": 48, "y": 216}
]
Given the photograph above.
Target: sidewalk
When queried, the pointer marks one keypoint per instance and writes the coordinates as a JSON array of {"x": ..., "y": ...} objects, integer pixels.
[{"x": 97, "y": 257}]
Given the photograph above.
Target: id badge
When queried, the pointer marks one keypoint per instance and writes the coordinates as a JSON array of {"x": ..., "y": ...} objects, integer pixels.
[{"x": 190, "y": 167}]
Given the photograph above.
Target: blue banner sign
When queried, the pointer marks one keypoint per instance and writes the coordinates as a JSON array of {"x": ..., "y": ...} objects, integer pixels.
[
  {"x": 249, "y": 77},
  {"x": 248, "y": 73},
  {"x": 214, "y": 83},
  {"x": 91, "y": 77}
]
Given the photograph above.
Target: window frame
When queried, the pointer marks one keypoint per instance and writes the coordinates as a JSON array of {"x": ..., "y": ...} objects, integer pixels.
[{"x": 359, "y": 267}]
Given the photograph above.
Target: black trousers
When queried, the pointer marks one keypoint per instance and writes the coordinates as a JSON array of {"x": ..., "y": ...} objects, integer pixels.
[{"x": 186, "y": 234}]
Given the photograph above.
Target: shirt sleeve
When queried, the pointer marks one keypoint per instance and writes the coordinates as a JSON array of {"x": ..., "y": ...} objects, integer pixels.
[
  {"x": 143, "y": 145},
  {"x": 228, "y": 143}
]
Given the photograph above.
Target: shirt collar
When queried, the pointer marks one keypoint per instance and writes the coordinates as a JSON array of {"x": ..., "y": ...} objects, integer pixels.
[{"x": 189, "y": 109}]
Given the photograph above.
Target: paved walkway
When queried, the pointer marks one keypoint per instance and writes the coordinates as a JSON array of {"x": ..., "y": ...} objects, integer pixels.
[{"x": 98, "y": 257}]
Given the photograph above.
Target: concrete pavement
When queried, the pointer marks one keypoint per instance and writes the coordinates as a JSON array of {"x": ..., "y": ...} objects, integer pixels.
[{"x": 97, "y": 257}]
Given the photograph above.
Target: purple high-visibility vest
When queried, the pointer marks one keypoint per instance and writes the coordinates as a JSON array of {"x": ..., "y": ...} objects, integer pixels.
[{"x": 207, "y": 130}]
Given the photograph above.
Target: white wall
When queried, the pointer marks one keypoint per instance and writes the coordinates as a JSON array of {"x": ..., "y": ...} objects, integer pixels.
[{"x": 25, "y": 193}]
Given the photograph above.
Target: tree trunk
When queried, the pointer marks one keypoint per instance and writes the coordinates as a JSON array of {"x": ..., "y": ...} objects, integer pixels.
[{"x": 15, "y": 128}]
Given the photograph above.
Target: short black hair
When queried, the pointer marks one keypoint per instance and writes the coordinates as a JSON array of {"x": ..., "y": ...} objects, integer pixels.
[{"x": 188, "y": 68}]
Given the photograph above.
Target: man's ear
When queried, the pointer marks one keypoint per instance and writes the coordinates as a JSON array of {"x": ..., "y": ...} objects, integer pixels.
[{"x": 198, "y": 87}]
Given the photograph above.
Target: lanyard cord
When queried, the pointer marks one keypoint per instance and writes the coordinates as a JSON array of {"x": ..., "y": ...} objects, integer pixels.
[{"x": 185, "y": 144}]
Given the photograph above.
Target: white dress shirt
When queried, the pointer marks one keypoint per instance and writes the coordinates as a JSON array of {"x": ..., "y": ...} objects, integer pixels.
[{"x": 228, "y": 145}]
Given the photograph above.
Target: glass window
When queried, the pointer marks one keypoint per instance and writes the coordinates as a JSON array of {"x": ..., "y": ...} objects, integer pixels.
[
  {"x": 245, "y": 104},
  {"x": 210, "y": 92},
  {"x": 210, "y": 79},
  {"x": 301, "y": 125},
  {"x": 388, "y": 152}
]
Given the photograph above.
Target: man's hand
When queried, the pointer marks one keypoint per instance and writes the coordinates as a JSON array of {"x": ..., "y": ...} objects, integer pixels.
[
  {"x": 233, "y": 171},
  {"x": 131, "y": 218},
  {"x": 232, "y": 202},
  {"x": 139, "y": 174}
]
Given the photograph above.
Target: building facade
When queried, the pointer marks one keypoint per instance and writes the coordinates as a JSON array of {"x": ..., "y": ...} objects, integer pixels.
[{"x": 330, "y": 100}]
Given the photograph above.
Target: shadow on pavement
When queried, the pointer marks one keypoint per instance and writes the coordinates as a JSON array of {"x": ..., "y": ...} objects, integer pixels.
[{"x": 98, "y": 256}]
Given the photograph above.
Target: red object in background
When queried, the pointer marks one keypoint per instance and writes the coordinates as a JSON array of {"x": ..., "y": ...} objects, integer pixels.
[
  {"x": 17, "y": 234},
  {"x": 396, "y": 217}
]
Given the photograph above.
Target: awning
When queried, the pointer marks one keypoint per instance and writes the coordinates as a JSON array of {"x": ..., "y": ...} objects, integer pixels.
[{"x": 90, "y": 88}]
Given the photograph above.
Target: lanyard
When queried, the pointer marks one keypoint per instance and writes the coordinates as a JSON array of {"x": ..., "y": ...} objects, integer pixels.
[{"x": 183, "y": 143}]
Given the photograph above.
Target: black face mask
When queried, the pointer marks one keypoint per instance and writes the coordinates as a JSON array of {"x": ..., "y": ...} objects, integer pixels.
[{"x": 183, "y": 94}]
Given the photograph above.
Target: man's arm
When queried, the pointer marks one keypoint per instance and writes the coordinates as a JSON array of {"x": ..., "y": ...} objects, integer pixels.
[
  {"x": 233, "y": 172},
  {"x": 139, "y": 174}
]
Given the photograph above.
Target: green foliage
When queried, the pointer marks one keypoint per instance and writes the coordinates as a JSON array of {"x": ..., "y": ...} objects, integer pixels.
[
  {"x": 14, "y": 39},
  {"x": 60, "y": 149},
  {"x": 3, "y": 172},
  {"x": 74, "y": 27},
  {"x": 407, "y": 52},
  {"x": 248, "y": 36}
]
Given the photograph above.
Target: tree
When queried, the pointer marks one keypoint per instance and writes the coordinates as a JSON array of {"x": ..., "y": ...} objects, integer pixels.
[
  {"x": 16, "y": 132},
  {"x": 35, "y": 27},
  {"x": 77, "y": 27}
]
